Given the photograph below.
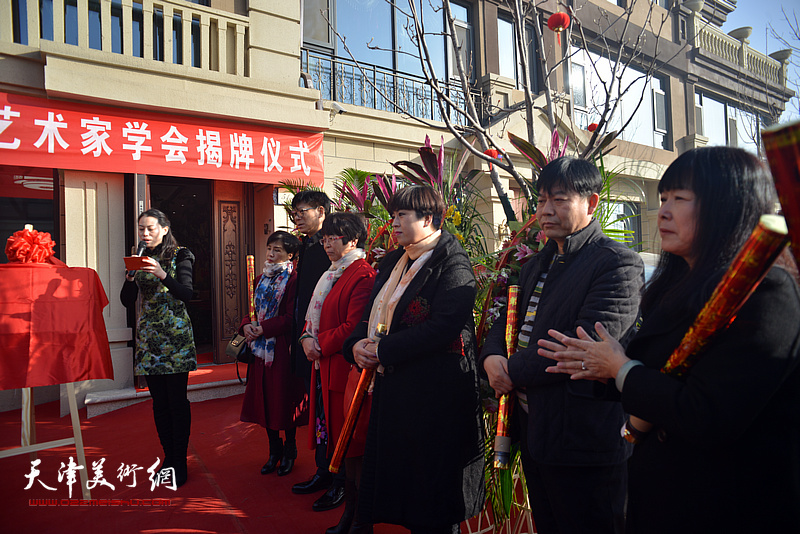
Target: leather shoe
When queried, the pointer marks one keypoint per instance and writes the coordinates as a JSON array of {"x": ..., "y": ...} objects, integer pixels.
[
  {"x": 286, "y": 466},
  {"x": 330, "y": 499},
  {"x": 271, "y": 465},
  {"x": 313, "y": 484}
]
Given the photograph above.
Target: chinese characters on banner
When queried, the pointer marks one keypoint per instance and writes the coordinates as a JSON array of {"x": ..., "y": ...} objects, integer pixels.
[{"x": 67, "y": 135}]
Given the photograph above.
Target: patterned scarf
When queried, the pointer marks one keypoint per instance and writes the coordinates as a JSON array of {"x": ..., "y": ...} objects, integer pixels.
[
  {"x": 268, "y": 297},
  {"x": 324, "y": 286}
]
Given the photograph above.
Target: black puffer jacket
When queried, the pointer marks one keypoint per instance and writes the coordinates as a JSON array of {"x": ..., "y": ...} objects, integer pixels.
[{"x": 596, "y": 279}]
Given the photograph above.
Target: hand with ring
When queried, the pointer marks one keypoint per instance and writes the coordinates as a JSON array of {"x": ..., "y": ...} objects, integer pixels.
[{"x": 583, "y": 357}]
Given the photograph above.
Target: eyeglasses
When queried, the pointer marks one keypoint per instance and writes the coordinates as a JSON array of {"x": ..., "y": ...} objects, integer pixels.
[
  {"x": 330, "y": 239},
  {"x": 294, "y": 214}
]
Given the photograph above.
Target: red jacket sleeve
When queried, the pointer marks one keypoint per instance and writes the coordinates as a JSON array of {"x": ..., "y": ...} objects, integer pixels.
[{"x": 332, "y": 340}]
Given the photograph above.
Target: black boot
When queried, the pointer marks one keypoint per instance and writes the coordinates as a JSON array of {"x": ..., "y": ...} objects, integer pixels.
[
  {"x": 163, "y": 420},
  {"x": 349, "y": 513},
  {"x": 181, "y": 429},
  {"x": 275, "y": 452},
  {"x": 289, "y": 456}
]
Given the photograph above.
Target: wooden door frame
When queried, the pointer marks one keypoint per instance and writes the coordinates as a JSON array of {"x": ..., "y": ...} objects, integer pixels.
[{"x": 232, "y": 240}]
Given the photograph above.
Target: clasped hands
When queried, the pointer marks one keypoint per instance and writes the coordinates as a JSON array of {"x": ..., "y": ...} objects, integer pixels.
[
  {"x": 311, "y": 348},
  {"x": 252, "y": 331},
  {"x": 365, "y": 353},
  {"x": 583, "y": 357}
]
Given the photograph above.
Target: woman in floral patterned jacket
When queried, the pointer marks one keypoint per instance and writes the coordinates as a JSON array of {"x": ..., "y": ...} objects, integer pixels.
[
  {"x": 423, "y": 460},
  {"x": 165, "y": 351}
]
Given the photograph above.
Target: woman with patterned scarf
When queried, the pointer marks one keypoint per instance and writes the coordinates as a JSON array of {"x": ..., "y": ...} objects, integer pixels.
[
  {"x": 336, "y": 306},
  {"x": 275, "y": 398}
]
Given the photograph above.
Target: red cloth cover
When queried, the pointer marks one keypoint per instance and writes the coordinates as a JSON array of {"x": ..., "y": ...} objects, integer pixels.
[{"x": 51, "y": 326}]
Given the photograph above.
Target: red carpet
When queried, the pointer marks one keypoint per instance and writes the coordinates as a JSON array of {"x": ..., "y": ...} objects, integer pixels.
[{"x": 225, "y": 492}]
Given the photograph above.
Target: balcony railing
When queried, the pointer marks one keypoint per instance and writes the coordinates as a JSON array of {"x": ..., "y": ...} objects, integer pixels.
[
  {"x": 172, "y": 31},
  {"x": 758, "y": 65},
  {"x": 374, "y": 87}
]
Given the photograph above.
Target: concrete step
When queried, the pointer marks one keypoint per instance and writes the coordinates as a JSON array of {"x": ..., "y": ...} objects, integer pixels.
[{"x": 101, "y": 402}]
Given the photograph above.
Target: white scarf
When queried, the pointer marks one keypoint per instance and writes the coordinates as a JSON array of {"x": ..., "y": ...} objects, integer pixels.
[{"x": 324, "y": 286}]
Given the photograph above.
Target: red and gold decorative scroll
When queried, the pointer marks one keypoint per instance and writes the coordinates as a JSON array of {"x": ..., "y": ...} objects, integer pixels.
[
  {"x": 782, "y": 145},
  {"x": 502, "y": 440},
  {"x": 364, "y": 382},
  {"x": 352, "y": 418},
  {"x": 251, "y": 294},
  {"x": 746, "y": 271}
]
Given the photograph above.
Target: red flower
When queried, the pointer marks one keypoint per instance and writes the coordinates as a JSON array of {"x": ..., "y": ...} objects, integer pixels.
[
  {"x": 418, "y": 311},
  {"x": 592, "y": 127}
]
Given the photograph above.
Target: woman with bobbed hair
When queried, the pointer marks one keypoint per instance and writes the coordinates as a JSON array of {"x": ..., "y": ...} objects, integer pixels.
[
  {"x": 336, "y": 306},
  {"x": 423, "y": 457},
  {"x": 724, "y": 454}
]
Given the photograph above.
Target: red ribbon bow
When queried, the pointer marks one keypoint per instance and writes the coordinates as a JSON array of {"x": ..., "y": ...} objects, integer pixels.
[{"x": 29, "y": 246}]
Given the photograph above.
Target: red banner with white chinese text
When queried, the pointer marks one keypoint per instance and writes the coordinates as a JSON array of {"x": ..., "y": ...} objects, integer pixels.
[{"x": 68, "y": 135}]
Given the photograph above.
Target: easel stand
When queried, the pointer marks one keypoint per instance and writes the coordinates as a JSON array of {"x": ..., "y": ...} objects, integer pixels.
[
  {"x": 28, "y": 435},
  {"x": 57, "y": 313}
]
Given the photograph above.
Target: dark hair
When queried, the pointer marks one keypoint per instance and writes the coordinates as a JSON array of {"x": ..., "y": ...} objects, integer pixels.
[
  {"x": 290, "y": 242},
  {"x": 573, "y": 174},
  {"x": 168, "y": 242},
  {"x": 346, "y": 224},
  {"x": 313, "y": 198},
  {"x": 732, "y": 190},
  {"x": 422, "y": 199}
]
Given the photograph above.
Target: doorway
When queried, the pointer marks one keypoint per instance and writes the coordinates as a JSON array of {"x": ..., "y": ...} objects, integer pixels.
[{"x": 187, "y": 203}]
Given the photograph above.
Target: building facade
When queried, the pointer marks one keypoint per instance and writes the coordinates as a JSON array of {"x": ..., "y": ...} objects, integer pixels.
[{"x": 109, "y": 107}]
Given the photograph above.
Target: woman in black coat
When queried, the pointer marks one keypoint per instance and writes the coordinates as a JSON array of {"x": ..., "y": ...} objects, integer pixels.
[
  {"x": 724, "y": 454},
  {"x": 423, "y": 460}
]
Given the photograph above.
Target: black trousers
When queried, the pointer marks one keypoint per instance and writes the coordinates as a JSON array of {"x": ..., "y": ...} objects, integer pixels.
[
  {"x": 321, "y": 458},
  {"x": 172, "y": 415},
  {"x": 574, "y": 499}
]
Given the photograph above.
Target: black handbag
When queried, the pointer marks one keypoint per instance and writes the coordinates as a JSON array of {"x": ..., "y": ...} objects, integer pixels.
[{"x": 239, "y": 349}]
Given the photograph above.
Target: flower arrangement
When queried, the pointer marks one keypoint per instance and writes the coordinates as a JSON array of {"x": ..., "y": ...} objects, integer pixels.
[{"x": 458, "y": 190}]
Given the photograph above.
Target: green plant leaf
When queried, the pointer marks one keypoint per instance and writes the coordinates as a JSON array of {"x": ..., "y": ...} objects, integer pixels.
[
  {"x": 415, "y": 174},
  {"x": 528, "y": 150}
]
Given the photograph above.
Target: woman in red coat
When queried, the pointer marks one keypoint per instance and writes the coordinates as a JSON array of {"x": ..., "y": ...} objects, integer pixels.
[
  {"x": 336, "y": 307},
  {"x": 275, "y": 398}
]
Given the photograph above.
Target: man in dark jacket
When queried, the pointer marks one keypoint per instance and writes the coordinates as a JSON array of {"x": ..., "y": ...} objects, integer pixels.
[
  {"x": 573, "y": 455},
  {"x": 309, "y": 209}
]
